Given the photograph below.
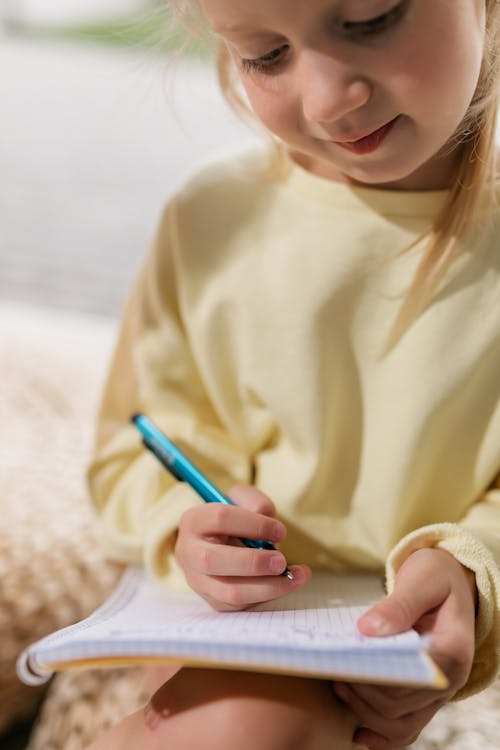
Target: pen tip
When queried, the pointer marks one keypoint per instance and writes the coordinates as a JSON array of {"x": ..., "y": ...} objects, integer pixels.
[
  {"x": 135, "y": 417},
  {"x": 289, "y": 575}
]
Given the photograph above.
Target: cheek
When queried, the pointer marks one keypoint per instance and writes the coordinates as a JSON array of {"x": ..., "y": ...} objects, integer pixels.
[
  {"x": 272, "y": 106},
  {"x": 442, "y": 75},
  {"x": 437, "y": 90}
]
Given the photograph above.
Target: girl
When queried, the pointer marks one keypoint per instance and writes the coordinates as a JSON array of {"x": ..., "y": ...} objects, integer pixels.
[{"x": 318, "y": 326}]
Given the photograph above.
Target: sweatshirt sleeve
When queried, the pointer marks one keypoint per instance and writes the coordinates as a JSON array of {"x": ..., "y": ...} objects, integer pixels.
[
  {"x": 155, "y": 372},
  {"x": 475, "y": 543}
]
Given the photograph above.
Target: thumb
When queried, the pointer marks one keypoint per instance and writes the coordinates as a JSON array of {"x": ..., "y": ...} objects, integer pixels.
[
  {"x": 394, "y": 614},
  {"x": 415, "y": 593}
]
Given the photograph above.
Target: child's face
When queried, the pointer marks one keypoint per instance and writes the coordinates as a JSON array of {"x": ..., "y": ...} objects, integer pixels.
[{"x": 363, "y": 91}]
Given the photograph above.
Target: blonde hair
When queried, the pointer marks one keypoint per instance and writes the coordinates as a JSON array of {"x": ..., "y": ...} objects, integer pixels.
[{"x": 474, "y": 182}]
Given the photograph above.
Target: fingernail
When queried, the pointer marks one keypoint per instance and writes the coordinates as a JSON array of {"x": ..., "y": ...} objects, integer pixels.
[
  {"x": 277, "y": 564},
  {"x": 377, "y": 624},
  {"x": 298, "y": 575}
]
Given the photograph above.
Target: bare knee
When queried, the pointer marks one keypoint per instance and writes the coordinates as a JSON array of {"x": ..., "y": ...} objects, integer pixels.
[
  {"x": 244, "y": 709},
  {"x": 285, "y": 713},
  {"x": 217, "y": 708}
]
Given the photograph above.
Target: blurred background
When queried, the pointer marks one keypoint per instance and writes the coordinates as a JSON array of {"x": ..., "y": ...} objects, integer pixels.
[{"x": 101, "y": 117}]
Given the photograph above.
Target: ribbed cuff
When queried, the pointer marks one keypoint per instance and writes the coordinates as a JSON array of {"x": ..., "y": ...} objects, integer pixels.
[{"x": 471, "y": 553}]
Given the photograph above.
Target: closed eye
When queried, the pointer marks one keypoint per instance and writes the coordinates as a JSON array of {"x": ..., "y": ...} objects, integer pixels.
[
  {"x": 375, "y": 25},
  {"x": 265, "y": 63}
]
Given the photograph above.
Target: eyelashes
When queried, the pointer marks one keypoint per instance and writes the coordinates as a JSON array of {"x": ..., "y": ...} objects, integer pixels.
[
  {"x": 377, "y": 24},
  {"x": 273, "y": 60},
  {"x": 265, "y": 63}
]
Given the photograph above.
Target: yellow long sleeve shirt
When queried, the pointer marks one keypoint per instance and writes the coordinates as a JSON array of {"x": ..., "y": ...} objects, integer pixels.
[{"x": 253, "y": 339}]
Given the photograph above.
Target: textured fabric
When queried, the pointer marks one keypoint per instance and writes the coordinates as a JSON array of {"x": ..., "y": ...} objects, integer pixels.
[
  {"x": 52, "y": 571},
  {"x": 253, "y": 338},
  {"x": 83, "y": 705}
]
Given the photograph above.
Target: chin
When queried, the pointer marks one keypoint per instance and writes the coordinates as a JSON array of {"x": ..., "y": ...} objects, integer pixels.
[
  {"x": 366, "y": 173},
  {"x": 397, "y": 179}
]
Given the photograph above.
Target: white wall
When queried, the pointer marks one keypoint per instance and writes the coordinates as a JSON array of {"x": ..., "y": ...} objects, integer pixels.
[
  {"x": 92, "y": 143},
  {"x": 62, "y": 12}
]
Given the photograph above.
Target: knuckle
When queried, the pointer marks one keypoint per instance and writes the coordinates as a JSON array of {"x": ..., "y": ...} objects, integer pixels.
[
  {"x": 258, "y": 564},
  {"x": 403, "y": 609},
  {"x": 214, "y": 602},
  {"x": 233, "y": 597},
  {"x": 219, "y": 514},
  {"x": 252, "y": 499},
  {"x": 216, "y": 594},
  {"x": 265, "y": 528},
  {"x": 220, "y": 606},
  {"x": 264, "y": 506},
  {"x": 242, "y": 495},
  {"x": 205, "y": 557},
  {"x": 396, "y": 609}
]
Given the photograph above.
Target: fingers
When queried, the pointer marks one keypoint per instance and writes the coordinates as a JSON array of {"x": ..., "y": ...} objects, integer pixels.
[
  {"x": 252, "y": 499},
  {"x": 380, "y": 731},
  {"x": 392, "y": 704},
  {"x": 229, "y": 575},
  {"x": 224, "y": 560},
  {"x": 433, "y": 595},
  {"x": 232, "y": 594},
  {"x": 419, "y": 588},
  {"x": 225, "y": 521},
  {"x": 452, "y": 641}
]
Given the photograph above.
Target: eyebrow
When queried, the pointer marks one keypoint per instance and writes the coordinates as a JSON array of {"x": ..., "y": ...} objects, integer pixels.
[
  {"x": 249, "y": 29},
  {"x": 237, "y": 29}
]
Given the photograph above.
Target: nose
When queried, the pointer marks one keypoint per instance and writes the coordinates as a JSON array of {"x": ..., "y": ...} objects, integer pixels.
[{"x": 330, "y": 89}]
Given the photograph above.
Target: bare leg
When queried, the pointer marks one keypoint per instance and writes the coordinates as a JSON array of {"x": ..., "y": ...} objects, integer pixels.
[
  {"x": 155, "y": 677},
  {"x": 217, "y": 709}
]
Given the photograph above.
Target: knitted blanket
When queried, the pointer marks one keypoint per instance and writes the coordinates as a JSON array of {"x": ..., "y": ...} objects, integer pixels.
[{"x": 52, "y": 366}]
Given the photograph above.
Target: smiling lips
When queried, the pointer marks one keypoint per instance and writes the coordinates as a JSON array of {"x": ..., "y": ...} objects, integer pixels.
[{"x": 370, "y": 142}]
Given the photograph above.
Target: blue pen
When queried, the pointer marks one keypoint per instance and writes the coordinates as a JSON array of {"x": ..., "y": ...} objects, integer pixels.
[{"x": 182, "y": 469}]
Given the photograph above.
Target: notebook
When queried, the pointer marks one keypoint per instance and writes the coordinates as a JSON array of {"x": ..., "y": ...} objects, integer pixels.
[{"x": 309, "y": 632}]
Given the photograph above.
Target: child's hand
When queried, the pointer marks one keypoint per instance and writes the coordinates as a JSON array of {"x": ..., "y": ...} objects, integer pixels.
[
  {"x": 219, "y": 567},
  {"x": 435, "y": 595}
]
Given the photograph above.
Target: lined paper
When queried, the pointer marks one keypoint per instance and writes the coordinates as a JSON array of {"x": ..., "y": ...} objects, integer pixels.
[{"x": 311, "y": 631}]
